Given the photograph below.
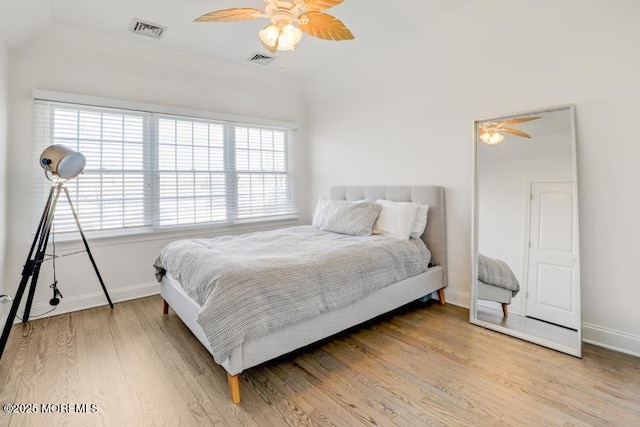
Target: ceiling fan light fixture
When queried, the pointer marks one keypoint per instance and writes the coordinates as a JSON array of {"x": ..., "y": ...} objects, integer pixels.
[
  {"x": 280, "y": 38},
  {"x": 281, "y": 34},
  {"x": 491, "y": 137},
  {"x": 269, "y": 35},
  {"x": 290, "y": 36}
]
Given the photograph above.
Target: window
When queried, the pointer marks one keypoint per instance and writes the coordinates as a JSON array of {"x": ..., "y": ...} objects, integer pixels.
[
  {"x": 191, "y": 172},
  {"x": 152, "y": 170}
]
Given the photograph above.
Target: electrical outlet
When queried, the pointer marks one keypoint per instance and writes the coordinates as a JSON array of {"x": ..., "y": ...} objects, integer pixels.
[{"x": 5, "y": 299}]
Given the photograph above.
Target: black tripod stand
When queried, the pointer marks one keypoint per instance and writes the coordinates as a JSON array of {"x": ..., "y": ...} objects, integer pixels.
[{"x": 36, "y": 257}]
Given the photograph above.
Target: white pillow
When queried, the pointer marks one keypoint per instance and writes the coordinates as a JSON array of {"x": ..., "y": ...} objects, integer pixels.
[
  {"x": 320, "y": 214},
  {"x": 395, "y": 219},
  {"x": 420, "y": 221}
]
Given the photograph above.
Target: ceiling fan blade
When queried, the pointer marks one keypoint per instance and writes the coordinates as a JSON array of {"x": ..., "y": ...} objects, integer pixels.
[
  {"x": 520, "y": 120},
  {"x": 315, "y": 5},
  {"x": 323, "y": 26},
  {"x": 515, "y": 132},
  {"x": 490, "y": 124},
  {"x": 230, "y": 15}
]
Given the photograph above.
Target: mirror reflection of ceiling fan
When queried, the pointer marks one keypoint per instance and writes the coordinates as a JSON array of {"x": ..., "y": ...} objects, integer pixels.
[
  {"x": 490, "y": 132},
  {"x": 281, "y": 34}
]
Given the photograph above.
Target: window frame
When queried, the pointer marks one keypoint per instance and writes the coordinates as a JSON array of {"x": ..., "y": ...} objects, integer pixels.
[{"x": 156, "y": 112}]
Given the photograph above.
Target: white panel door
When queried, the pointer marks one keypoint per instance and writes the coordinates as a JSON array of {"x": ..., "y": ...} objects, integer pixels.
[{"x": 552, "y": 288}]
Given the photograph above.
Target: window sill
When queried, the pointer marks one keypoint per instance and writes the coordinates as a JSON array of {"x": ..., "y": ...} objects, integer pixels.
[{"x": 137, "y": 235}]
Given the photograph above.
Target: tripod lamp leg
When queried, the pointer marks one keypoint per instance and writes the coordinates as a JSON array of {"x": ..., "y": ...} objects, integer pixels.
[
  {"x": 86, "y": 245},
  {"x": 45, "y": 232}
]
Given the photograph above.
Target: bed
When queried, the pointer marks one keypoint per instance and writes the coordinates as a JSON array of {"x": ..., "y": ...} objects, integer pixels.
[
  {"x": 489, "y": 292},
  {"x": 496, "y": 282},
  {"x": 260, "y": 349}
]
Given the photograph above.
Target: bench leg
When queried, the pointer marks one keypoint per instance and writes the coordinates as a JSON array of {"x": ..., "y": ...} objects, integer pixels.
[
  {"x": 165, "y": 307},
  {"x": 234, "y": 387},
  {"x": 505, "y": 309},
  {"x": 441, "y": 296}
]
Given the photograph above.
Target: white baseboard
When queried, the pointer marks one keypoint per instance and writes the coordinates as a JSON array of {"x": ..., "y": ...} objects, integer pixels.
[
  {"x": 592, "y": 334},
  {"x": 455, "y": 297},
  {"x": 611, "y": 339},
  {"x": 94, "y": 299}
]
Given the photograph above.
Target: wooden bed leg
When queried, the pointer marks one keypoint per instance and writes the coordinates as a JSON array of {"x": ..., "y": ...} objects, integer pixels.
[
  {"x": 234, "y": 387},
  {"x": 441, "y": 296},
  {"x": 165, "y": 307},
  {"x": 505, "y": 309}
]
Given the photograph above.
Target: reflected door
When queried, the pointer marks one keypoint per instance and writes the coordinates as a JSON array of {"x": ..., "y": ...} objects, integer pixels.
[{"x": 552, "y": 280}]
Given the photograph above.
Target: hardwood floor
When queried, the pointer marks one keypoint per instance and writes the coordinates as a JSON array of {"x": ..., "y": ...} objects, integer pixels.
[{"x": 421, "y": 365}]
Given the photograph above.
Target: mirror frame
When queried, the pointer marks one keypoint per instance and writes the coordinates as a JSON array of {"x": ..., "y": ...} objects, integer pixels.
[{"x": 473, "y": 318}]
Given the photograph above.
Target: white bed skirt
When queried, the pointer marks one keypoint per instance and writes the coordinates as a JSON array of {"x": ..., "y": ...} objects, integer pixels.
[{"x": 262, "y": 349}]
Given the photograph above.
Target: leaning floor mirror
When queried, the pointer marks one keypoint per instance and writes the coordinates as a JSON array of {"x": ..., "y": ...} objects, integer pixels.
[{"x": 525, "y": 250}]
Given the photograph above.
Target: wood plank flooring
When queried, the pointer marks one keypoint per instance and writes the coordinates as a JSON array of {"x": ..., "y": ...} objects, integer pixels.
[{"x": 421, "y": 365}]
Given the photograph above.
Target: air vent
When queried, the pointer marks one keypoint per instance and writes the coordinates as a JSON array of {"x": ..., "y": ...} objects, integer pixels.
[
  {"x": 146, "y": 29},
  {"x": 261, "y": 58}
]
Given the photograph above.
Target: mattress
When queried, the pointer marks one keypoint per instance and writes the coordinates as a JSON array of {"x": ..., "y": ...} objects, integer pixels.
[{"x": 252, "y": 285}]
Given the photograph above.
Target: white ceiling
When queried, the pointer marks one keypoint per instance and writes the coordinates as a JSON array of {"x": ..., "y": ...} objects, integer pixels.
[
  {"x": 22, "y": 20},
  {"x": 371, "y": 21}
]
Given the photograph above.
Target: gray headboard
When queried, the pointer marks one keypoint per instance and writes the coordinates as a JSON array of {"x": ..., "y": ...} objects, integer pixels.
[{"x": 435, "y": 235}]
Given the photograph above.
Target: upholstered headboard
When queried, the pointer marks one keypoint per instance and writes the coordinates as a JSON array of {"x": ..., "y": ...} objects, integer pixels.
[{"x": 435, "y": 235}]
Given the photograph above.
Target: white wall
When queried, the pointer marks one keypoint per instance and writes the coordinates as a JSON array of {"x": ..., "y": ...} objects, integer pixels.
[
  {"x": 401, "y": 113},
  {"x": 4, "y": 122},
  {"x": 76, "y": 61}
]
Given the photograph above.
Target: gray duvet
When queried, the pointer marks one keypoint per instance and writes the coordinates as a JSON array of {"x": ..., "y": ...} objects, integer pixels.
[
  {"x": 250, "y": 285},
  {"x": 497, "y": 273}
]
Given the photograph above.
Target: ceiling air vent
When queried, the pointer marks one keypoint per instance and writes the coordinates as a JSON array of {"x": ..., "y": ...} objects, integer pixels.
[
  {"x": 261, "y": 58},
  {"x": 146, "y": 29}
]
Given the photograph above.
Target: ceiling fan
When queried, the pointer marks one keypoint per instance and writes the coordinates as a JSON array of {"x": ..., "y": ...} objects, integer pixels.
[
  {"x": 490, "y": 131},
  {"x": 281, "y": 34}
]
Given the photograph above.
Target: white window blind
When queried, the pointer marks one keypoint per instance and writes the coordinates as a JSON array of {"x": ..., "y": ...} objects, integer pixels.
[
  {"x": 152, "y": 171},
  {"x": 192, "y": 176},
  {"x": 262, "y": 168}
]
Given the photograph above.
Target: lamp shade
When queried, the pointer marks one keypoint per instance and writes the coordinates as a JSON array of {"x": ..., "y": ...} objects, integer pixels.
[
  {"x": 269, "y": 35},
  {"x": 62, "y": 161},
  {"x": 289, "y": 37}
]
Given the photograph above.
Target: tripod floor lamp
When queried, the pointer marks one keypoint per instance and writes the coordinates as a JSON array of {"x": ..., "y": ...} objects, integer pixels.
[{"x": 60, "y": 164}]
